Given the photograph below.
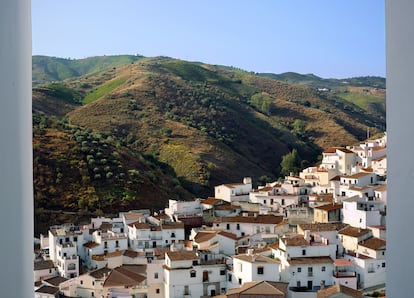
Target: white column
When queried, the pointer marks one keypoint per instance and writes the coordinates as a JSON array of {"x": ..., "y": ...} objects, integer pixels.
[
  {"x": 400, "y": 129},
  {"x": 16, "y": 183}
]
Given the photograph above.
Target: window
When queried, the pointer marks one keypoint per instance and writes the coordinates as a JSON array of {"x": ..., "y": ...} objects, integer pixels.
[
  {"x": 383, "y": 265},
  {"x": 260, "y": 270},
  {"x": 193, "y": 273},
  {"x": 264, "y": 202},
  {"x": 240, "y": 267},
  {"x": 323, "y": 268},
  {"x": 116, "y": 243},
  {"x": 310, "y": 271},
  {"x": 67, "y": 239},
  {"x": 228, "y": 226},
  {"x": 238, "y": 226},
  {"x": 299, "y": 269},
  {"x": 93, "y": 283},
  {"x": 222, "y": 272},
  {"x": 172, "y": 235},
  {"x": 186, "y": 290},
  {"x": 229, "y": 277},
  {"x": 298, "y": 283},
  {"x": 81, "y": 282},
  {"x": 166, "y": 241},
  {"x": 157, "y": 291},
  {"x": 240, "y": 281},
  {"x": 195, "y": 263},
  {"x": 105, "y": 244},
  {"x": 303, "y": 252},
  {"x": 156, "y": 275},
  {"x": 75, "y": 239},
  {"x": 92, "y": 294}
]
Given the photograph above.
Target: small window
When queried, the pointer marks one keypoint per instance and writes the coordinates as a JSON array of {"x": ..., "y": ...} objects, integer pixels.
[
  {"x": 383, "y": 265},
  {"x": 157, "y": 291},
  {"x": 172, "y": 235},
  {"x": 195, "y": 263},
  {"x": 156, "y": 275},
  {"x": 222, "y": 272},
  {"x": 229, "y": 277},
  {"x": 240, "y": 281},
  {"x": 81, "y": 282},
  {"x": 260, "y": 270},
  {"x": 67, "y": 239},
  {"x": 193, "y": 273},
  {"x": 238, "y": 226},
  {"x": 323, "y": 268},
  {"x": 299, "y": 269},
  {"x": 228, "y": 226},
  {"x": 92, "y": 294},
  {"x": 75, "y": 239},
  {"x": 303, "y": 252},
  {"x": 298, "y": 283}
]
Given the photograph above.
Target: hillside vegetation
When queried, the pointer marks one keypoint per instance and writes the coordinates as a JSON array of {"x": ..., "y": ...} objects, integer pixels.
[{"x": 150, "y": 129}]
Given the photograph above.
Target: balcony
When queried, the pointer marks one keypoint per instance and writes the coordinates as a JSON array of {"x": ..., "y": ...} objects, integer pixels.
[{"x": 342, "y": 274}]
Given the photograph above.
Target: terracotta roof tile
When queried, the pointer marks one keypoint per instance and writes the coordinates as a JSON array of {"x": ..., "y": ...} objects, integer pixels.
[
  {"x": 354, "y": 232},
  {"x": 310, "y": 260},
  {"x": 55, "y": 281},
  {"x": 263, "y": 219},
  {"x": 329, "y": 207},
  {"x": 44, "y": 264},
  {"x": 181, "y": 255},
  {"x": 91, "y": 244},
  {"x": 323, "y": 227},
  {"x": 48, "y": 290},
  {"x": 373, "y": 243},
  {"x": 255, "y": 258},
  {"x": 123, "y": 277}
]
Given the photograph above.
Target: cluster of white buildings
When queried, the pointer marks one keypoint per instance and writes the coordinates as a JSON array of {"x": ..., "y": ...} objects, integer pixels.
[{"x": 319, "y": 234}]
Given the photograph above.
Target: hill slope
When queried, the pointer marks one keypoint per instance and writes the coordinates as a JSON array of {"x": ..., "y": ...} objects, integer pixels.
[{"x": 176, "y": 129}]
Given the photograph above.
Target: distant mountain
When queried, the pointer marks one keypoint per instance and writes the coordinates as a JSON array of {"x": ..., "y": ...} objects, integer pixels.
[
  {"x": 317, "y": 82},
  {"x": 139, "y": 133}
]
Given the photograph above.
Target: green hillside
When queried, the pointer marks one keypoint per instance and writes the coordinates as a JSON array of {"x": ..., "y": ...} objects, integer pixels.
[{"x": 141, "y": 133}]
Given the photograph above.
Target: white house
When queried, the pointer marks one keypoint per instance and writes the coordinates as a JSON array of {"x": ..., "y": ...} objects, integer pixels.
[
  {"x": 145, "y": 237},
  {"x": 123, "y": 281},
  {"x": 177, "y": 208},
  {"x": 103, "y": 242},
  {"x": 249, "y": 225},
  {"x": 235, "y": 191},
  {"x": 206, "y": 239},
  {"x": 340, "y": 159},
  {"x": 351, "y": 236},
  {"x": 44, "y": 269},
  {"x": 185, "y": 275},
  {"x": 305, "y": 264},
  {"x": 328, "y": 231},
  {"x": 361, "y": 212},
  {"x": 345, "y": 273},
  {"x": 252, "y": 267}
]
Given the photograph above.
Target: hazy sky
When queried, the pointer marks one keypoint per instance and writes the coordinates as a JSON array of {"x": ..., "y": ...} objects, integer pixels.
[{"x": 330, "y": 38}]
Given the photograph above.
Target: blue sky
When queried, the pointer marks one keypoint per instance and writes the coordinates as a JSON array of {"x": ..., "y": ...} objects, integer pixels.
[{"x": 329, "y": 38}]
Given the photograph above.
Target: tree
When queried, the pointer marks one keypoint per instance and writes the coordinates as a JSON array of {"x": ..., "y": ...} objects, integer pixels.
[
  {"x": 299, "y": 128},
  {"x": 290, "y": 163}
]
